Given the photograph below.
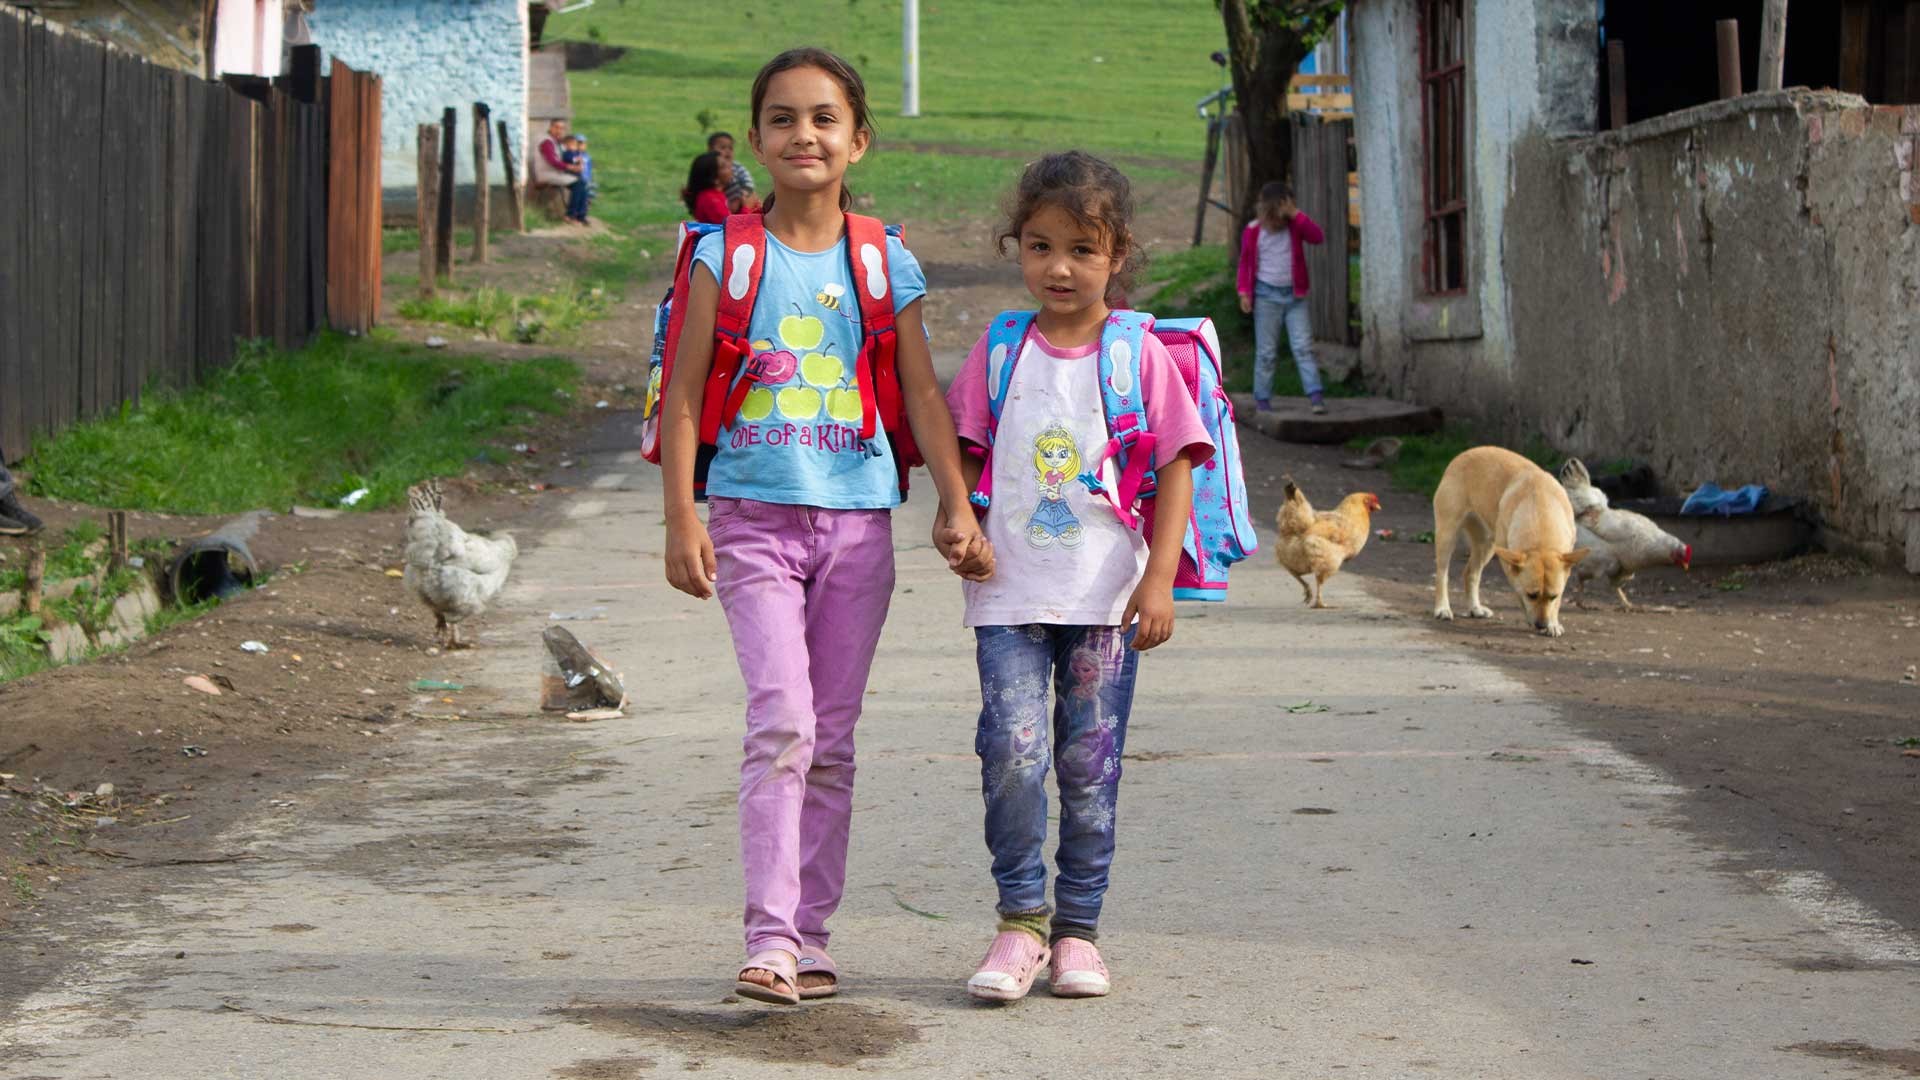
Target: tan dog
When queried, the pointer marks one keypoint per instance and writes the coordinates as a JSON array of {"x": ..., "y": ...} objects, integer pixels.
[{"x": 1511, "y": 508}]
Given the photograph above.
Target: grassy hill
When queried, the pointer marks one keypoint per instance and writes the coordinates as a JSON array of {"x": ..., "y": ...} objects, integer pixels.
[{"x": 999, "y": 85}]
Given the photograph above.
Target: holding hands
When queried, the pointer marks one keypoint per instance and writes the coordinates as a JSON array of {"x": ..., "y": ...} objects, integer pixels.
[{"x": 964, "y": 546}]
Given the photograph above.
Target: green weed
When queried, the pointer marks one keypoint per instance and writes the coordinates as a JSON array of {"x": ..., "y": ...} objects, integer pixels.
[
  {"x": 505, "y": 316},
  {"x": 400, "y": 239},
  {"x": 309, "y": 426},
  {"x": 1424, "y": 458}
]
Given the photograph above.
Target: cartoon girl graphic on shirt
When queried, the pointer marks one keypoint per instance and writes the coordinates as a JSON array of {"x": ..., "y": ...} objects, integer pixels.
[{"x": 1056, "y": 460}]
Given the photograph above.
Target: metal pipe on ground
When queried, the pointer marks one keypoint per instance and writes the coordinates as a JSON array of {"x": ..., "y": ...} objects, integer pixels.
[{"x": 219, "y": 564}]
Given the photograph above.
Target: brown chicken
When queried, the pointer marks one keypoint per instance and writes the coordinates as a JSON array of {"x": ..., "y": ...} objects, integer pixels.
[{"x": 1316, "y": 544}]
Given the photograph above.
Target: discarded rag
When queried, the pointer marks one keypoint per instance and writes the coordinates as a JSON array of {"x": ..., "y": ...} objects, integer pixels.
[{"x": 1710, "y": 498}]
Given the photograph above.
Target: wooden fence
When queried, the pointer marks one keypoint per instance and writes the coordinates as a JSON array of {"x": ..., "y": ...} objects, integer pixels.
[
  {"x": 1320, "y": 156},
  {"x": 149, "y": 220}
]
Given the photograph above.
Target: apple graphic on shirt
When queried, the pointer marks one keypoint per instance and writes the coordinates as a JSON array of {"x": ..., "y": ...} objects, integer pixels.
[
  {"x": 774, "y": 368},
  {"x": 844, "y": 405},
  {"x": 802, "y": 331},
  {"x": 800, "y": 403},
  {"x": 822, "y": 369},
  {"x": 758, "y": 405}
]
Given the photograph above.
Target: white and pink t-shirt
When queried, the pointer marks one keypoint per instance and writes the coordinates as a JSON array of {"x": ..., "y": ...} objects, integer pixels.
[{"x": 1061, "y": 555}]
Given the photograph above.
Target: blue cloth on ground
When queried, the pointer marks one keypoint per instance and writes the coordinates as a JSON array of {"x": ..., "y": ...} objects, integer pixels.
[{"x": 1710, "y": 498}]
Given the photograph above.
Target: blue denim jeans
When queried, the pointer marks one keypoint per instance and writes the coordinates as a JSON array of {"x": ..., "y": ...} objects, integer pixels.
[
  {"x": 1090, "y": 670},
  {"x": 1275, "y": 307},
  {"x": 577, "y": 195}
]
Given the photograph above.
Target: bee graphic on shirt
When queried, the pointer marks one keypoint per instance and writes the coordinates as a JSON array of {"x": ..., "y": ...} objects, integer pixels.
[{"x": 829, "y": 295}]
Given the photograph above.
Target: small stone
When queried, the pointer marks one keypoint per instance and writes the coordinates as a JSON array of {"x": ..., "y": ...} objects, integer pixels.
[{"x": 103, "y": 790}]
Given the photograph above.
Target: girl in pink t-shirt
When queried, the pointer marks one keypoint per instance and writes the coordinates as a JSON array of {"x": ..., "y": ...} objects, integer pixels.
[{"x": 1075, "y": 596}]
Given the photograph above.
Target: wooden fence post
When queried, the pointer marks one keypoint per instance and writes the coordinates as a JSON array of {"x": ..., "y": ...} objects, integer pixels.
[
  {"x": 427, "y": 211},
  {"x": 482, "y": 182},
  {"x": 1617, "y": 81},
  {"x": 116, "y": 540},
  {"x": 1728, "y": 31},
  {"x": 516, "y": 209},
  {"x": 36, "y": 579},
  {"x": 1773, "y": 45},
  {"x": 449, "y": 191}
]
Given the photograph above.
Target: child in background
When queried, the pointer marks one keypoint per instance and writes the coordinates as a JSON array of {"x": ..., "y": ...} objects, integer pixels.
[
  {"x": 798, "y": 542},
  {"x": 575, "y": 153},
  {"x": 1069, "y": 578},
  {"x": 1273, "y": 286},
  {"x": 705, "y": 193},
  {"x": 739, "y": 182}
]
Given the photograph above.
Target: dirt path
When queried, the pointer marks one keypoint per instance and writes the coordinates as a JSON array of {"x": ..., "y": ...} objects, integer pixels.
[{"x": 445, "y": 884}]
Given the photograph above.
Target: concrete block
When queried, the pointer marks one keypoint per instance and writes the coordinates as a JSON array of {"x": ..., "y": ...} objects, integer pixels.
[
  {"x": 67, "y": 642},
  {"x": 1346, "y": 418}
]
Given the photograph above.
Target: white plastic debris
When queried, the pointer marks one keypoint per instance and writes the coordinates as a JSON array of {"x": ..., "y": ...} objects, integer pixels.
[
  {"x": 436, "y": 342},
  {"x": 256, "y": 647},
  {"x": 352, "y": 498}
]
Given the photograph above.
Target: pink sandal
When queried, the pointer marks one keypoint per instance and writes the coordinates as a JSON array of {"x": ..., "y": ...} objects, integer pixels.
[
  {"x": 781, "y": 964},
  {"x": 1011, "y": 964},
  {"x": 1077, "y": 970},
  {"x": 815, "y": 961}
]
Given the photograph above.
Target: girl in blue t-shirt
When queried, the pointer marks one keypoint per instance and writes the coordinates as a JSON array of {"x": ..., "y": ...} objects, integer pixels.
[{"x": 798, "y": 542}]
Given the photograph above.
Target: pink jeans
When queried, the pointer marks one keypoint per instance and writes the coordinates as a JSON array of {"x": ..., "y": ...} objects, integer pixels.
[{"x": 805, "y": 592}]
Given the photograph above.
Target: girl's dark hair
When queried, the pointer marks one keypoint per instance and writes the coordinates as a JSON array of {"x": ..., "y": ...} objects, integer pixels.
[
  {"x": 1092, "y": 192},
  {"x": 704, "y": 176},
  {"x": 1272, "y": 194},
  {"x": 839, "y": 71}
]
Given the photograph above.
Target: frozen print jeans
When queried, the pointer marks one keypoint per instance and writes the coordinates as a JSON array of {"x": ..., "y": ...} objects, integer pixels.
[
  {"x": 805, "y": 592},
  {"x": 1090, "y": 670}
]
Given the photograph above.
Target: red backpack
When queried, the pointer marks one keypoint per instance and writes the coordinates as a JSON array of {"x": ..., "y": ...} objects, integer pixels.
[{"x": 737, "y": 369}]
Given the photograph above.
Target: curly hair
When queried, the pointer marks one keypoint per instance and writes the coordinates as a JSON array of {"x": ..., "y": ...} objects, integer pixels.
[{"x": 1091, "y": 191}]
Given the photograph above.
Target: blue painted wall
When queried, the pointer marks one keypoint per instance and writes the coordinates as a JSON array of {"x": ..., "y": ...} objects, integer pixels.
[{"x": 431, "y": 54}]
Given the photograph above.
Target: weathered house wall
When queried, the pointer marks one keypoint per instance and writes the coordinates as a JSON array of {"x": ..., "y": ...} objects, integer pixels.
[
  {"x": 1727, "y": 293},
  {"x": 432, "y": 56}
]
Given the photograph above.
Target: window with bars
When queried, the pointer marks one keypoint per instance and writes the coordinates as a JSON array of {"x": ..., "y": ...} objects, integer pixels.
[{"x": 1443, "y": 110}]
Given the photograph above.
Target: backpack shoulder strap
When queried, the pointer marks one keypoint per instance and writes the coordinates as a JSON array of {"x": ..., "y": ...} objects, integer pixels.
[
  {"x": 882, "y": 405},
  {"x": 1130, "y": 445},
  {"x": 743, "y": 259},
  {"x": 1006, "y": 340},
  {"x": 1121, "y": 343},
  {"x": 867, "y": 264}
]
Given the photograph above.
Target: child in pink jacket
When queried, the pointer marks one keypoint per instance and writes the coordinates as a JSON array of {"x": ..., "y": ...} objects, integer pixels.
[{"x": 1273, "y": 287}]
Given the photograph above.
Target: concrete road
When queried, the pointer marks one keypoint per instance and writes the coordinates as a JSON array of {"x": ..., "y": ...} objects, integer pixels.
[{"x": 1345, "y": 851}]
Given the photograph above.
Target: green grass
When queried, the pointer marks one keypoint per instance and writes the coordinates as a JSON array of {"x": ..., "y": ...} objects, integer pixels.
[
  {"x": 983, "y": 112},
  {"x": 504, "y": 316},
  {"x": 398, "y": 240},
  {"x": 305, "y": 427},
  {"x": 1424, "y": 458},
  {"x": 1191, "y": 282}
]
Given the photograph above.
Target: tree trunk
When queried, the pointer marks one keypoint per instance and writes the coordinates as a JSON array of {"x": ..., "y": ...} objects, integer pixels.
[{"x": 1263, "y": 60}]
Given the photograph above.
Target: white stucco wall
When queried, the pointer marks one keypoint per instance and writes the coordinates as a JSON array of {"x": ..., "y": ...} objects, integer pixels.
[
  {"x": 432, "y": 54},
  {"x": 1517, "y": 84}
]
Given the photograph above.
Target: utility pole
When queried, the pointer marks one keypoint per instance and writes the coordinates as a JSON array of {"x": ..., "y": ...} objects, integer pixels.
[{"x": 910, "y": 58}]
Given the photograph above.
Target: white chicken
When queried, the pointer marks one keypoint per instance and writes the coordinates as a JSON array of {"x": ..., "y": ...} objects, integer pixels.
[
  {"x": 455, "y": 574},
  {"x": 1621, "y": 542}
]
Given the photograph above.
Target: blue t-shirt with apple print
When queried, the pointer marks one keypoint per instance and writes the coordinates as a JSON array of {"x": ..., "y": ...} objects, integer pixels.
[{"x": 797, "y": 438}]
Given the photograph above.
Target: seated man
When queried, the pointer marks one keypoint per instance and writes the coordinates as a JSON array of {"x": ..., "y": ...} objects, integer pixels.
[{"x": 552, "y": 170}]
